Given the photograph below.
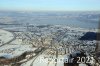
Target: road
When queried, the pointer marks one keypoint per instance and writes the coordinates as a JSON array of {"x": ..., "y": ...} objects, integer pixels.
[{"x": 37, "y": 56}]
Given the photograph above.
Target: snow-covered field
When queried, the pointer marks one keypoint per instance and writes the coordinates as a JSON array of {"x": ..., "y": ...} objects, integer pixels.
[
  {"x": 5, "y": 36},
  {"x": 14, "y": 48},
  {"x": 11, "y": 51}
]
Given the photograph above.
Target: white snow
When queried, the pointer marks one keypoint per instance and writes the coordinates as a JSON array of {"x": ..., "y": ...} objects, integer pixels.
[
  {"x": 10, "y": 51},
  {"x": 5, "y": 36}
]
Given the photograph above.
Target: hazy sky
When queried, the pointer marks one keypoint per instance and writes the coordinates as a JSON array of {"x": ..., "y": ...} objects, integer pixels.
[{"x": 50, "y": 5}]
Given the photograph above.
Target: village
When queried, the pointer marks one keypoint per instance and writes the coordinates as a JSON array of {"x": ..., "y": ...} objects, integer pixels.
[{"x": 33, "y": 44}]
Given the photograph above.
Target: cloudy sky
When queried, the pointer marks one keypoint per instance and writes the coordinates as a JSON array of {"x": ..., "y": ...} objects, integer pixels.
[{"x": 50, "y": 5}]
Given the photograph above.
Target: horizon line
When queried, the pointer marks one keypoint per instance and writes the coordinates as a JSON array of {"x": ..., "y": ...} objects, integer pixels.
[{"x": 52, "y": 10}]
